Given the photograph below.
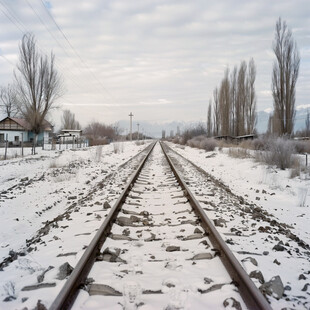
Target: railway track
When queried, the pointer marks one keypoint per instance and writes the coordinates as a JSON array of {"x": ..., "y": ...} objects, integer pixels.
[{"x": 158, "y": 250}]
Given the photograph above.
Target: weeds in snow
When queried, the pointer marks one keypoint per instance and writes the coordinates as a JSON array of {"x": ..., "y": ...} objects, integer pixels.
[
  {"x": 28, "y": 265},
  {"x": 302, "y": 196},
  {"x": 236, "y": 152},
  {"x": 118, "y": 147},
  {"x": 9, "y": 288},
  {"x": 98, "y": 153},
  {"x": 54, "y": 164}
]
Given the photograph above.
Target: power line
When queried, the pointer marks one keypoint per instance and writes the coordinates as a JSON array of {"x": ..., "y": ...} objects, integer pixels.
[
  {"x": 11, "y": 17},
  {"x": 74, "y": 50}
]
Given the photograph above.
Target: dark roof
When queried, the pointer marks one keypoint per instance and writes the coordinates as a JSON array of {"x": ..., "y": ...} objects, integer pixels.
[{"x": 22, "y": 122}]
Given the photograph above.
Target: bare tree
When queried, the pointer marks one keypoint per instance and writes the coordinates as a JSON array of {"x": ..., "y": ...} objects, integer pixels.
[
  {"x": 38, "y": 84},
  {"x": 68, "y": 120},
  {"x": 284, "y": 77},
  {"x": 8, "y": 100},
  {"x": 99, "y": 133},
  {"x": 251, "y": 104},
  {"x": 307, "y": 123},
  {"x": 216, "y": 113},
  {"x": 233, "y": 100},
  {"x": 209, "y": 119},
  {"x": 241, "y": 99},
  {"x": 224, "y": 102}
]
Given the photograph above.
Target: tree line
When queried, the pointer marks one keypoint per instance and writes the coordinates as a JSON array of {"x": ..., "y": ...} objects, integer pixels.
[
  {"x": 234, "y": 103},
  {"x": 233, "y": 111}
]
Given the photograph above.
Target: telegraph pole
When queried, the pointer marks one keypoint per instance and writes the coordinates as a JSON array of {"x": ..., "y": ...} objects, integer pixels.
[
  {"x": 138, "y": 130},
  {"x": 130, "y": 115}
]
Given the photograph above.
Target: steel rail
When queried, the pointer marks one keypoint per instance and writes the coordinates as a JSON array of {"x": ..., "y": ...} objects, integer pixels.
[
  {"x": 250, "y": 294},
  {"x": 69, "y": 292}
]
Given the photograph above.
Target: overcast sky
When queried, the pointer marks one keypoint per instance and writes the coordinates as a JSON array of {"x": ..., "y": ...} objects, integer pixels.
[{"x": 158, "y": 59}]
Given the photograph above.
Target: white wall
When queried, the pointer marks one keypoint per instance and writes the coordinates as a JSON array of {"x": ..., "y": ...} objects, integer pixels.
[{"x": 12, "y": 133}]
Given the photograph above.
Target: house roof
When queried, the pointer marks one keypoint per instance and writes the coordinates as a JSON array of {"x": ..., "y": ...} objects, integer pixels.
[{"x": 23, "y": 123}]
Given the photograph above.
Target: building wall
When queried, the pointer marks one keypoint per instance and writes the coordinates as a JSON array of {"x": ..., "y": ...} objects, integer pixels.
[{"x": 14, "y": 133}]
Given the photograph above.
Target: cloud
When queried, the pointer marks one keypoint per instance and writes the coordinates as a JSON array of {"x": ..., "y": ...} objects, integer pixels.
[{"x": 160, "y": 58}]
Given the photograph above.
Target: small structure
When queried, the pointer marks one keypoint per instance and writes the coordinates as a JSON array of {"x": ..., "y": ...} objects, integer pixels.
[
  {"x": 70, "y": 135},
  {"x": 15, "y": 130}
]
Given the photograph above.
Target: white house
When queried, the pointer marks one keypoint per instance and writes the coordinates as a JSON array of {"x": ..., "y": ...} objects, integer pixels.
[
  {"x": 70, "y": 135},
  {"x": 16, "y": 130}
]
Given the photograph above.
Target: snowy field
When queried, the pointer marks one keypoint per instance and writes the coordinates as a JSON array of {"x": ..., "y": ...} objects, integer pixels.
[
  {"x": 52, "y": 203},
  {"x": 53, "y": 190},
  {"x": 288, "y": 199}
]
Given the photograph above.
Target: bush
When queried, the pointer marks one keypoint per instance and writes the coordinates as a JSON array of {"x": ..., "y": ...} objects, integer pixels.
[
  {"x": 208, "y": 145},
  {"x": 280, "y": 153},
  {"x": 118, "y": 147},
  {"x": 237, "y": 152},
  {"x": 302, "y": 147},
  {"x": 201, "y": 142}
]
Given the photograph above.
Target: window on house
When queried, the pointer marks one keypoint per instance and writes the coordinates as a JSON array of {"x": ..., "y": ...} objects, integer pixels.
[
  {"x": 16, "y": 138},
  {"x": 1, "y": 137}
]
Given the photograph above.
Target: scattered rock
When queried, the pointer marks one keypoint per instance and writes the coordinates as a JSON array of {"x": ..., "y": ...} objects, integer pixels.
[
  {"x": 302, "y": 277},
  {"x": 197, "y": 231},
  {"x": 125, "y": 221},
  {"x": 202, "y": 256},
  {"x": 152, "y": 238},
  {"x": 66, "y": 254},
  {"x": 219, "y": 222},
  {"x": 277, "y": 262},
  {"x": 266, "y": 253},
  {"x": 305, "y": 288},
  {"x": 232, "y": 303},
  {"x": 24, "y": 179},
  {"x": 172, "y": 248},
  {"x": 214, "y": 287},
  {"x": 207, "y": 280},
  {"x": 106, "y": 205},
  {"x": 256, "y": 274},
  {"x": 38, "y": 286},
  {"x": 102, "y": 289},
  {"x": 120, "y": 237},
  {"x": 192, "y": 237},
  {"x": 40, "y": 306},
  {"x": 251, "y": 259},
  {"x": 111, "y": 256},
  {"x": 274, "y": 287},
  {"x": 279, "y": 247},
  {"x": 72, "y": 197},
  {"x": 9, "y": 298},
  {"x": 40, "y": 277},
  {"x": 64, "y": 271}
]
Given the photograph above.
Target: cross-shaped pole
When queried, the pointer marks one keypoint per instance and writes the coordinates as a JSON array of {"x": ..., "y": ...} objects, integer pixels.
[{"x": 130, "y": 115}]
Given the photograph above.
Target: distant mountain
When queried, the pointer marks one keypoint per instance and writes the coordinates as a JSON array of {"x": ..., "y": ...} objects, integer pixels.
[
  {"x": 155, "y": 129},
  {"x": 300, "y": 118}
]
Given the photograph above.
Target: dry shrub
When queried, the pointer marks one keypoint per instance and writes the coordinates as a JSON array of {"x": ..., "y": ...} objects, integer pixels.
[
  {"x": 208, "y": 145},
  {"x": 296, "y": 168},
  {"x": 98, "y": 153},
  {"x": 237, "y": 152},
  {"x": 99, "y": 141},
  {"x": 302, "y": 147},
  {"x": 201, "y": 142},
  {"x": 118, "y": 147},
  {"x": 280, "y": 153}
]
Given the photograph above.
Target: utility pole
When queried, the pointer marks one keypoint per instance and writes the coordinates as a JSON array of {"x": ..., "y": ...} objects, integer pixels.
[
  {"x": 138, "y": 130},
  {"x": 130, "y": 115}
]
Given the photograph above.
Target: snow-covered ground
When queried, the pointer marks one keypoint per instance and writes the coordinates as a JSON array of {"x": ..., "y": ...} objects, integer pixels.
[
  {"x": 51, "y": 195},
  {"x": 288, "y": 199},
  {"x": 52, "y": 203},
  {"x": 270, "y": 213}
]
